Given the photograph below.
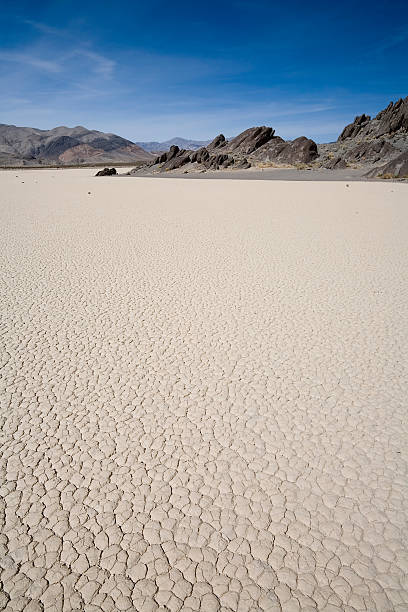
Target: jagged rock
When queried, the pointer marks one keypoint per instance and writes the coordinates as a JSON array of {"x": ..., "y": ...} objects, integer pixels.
[
  {"x": 335, "y": 163},
  {"x": 106, "y": 172},
  {"x": 220, "y": 161},
  {"x": 300, "y": 150},
  {"x": 177, "y": 162},
  {"x": 219, "y": 141},
  {"x": 388, "y": 122},
  {"x": 242, "y": 164},
  {"x": 351, "y": 130},
  {"x": 250, "y": 140},
  {"x": 393, "y": 118},
  {"x": 370, "y": 151},
  {"x": 258, "y": 142},
  {"x": 168, "y": 155},
  {"x": 200, "y": 156},
  {"x": 397, "y": 168}
]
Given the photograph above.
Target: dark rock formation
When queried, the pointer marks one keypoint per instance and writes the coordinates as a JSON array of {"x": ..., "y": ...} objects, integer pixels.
[
  {"x": 388, "y": 122},
  {"x": 219, "y": 161},
  {"x": 219, "y": 141},
  {"x": 370, "y": 151},
  {"x": 351, "y": 130},
  {"x": 250, "y": 140},
  {"x": 201, "y": 156},
  {"x": 396, "y": 168},
  {"x": 253, "y": 145},
  {"x": 300, "y": 150},
  {"x": 168, "y": 155},
  {"x": 173, "y": 159},
  {"x": 106, "y": 172},
  {"x": 178, "y": 161},
  {"x": 393, "y": 118},
  {"x": 334, "y": 163},
  {"x": 242, "y": 164}
]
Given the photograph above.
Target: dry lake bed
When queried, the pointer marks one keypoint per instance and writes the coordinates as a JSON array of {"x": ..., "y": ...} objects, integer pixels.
[{"x": 203, "y": 394}]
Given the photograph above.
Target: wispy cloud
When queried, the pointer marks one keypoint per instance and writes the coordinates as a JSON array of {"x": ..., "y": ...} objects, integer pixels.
[
  {"x": 27, "y": 59},
  {"x": 44, "y": 28},
  {"x": 102, "y": 65}
]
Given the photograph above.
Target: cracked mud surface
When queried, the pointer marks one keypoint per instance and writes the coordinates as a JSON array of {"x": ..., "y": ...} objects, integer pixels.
[{"x": 203, "y": 395}]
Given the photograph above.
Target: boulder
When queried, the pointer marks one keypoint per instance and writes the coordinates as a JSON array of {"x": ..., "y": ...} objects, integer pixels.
[
  {"x": 106, "y": 172},
  {"x": 300, "y": 150}
]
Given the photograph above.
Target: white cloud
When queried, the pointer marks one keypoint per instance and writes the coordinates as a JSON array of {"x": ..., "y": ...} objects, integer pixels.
[
  {"x": 44, "y": 28},
  {"x": 27, "y": 59},
  {"x": 102, "y": 65}
]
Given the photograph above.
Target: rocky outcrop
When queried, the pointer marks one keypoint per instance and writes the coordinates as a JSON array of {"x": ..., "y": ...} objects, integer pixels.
[
  {"x": 300, "y": 150},
  {"x": 393, "y": 118},
  {"x": 250, "y": 140},
  {"x": 106, "y": 172},
  {"x": 370, "y": 151},
  {"x": 213, "y": 162},
  {"x": 365, "y": 142},
  {"x": 257, "y": 144},
  {"x": 396, "y": 168},
  {"x": 168, "y": 155},
  {"x": 334, "y": 163},
  {"x": 218, "y": 142},
  {"x": 176, "y": 158},
  {"x": 388, "y": 122},
  {"x": 353, "y": 129}
]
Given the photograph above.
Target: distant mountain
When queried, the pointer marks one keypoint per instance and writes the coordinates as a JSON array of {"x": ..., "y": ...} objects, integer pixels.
[
  {"x": 182, "y": 143},
  {"x": 63, "y": 145}
]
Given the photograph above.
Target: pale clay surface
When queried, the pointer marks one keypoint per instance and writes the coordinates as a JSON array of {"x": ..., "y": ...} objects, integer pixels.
[{"x": 203, "y": 394}]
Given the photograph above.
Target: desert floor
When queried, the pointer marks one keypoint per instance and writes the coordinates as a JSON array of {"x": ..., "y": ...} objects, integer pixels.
[{"x": 204, "y": 394}]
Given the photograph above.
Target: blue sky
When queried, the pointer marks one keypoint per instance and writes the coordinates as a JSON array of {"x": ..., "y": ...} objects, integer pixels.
[{"x": 153, "y": 70}]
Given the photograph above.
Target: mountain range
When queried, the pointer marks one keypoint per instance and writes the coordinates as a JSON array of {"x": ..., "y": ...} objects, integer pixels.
[
  {"x": 182, "y": 143},
  {"x": 64, "y": 146}
]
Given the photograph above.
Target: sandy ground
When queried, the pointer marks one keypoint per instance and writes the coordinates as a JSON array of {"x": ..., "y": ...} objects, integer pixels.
[{"x": 204, "y": 394}]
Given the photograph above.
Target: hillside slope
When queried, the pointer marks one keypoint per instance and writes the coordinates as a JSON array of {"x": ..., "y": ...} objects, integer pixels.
[{"x": 63, "y": 145}]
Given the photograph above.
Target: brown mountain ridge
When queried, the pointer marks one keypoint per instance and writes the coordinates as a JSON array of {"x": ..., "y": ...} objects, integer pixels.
[{"x": 62, "y": 145}]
